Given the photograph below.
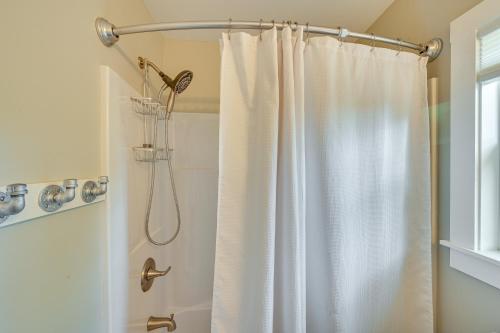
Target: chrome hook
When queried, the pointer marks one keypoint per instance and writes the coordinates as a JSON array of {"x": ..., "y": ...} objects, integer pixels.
[
  {"x": 373, "y": 42},
  {"x": 229, "y": 29},
  {"x": 91, "y": 190},
  {"x": 13, "y": 200},
  {"x": 53, "y": 197}
]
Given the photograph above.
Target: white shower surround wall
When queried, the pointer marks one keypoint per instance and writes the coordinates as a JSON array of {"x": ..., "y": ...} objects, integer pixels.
[{"x": 187, "y": 289}]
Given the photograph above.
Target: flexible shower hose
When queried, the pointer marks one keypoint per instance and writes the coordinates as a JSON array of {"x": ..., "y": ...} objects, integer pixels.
[{"x": 169, "y": 109}]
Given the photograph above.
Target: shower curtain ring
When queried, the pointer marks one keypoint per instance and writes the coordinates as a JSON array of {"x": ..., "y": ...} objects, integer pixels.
[
  {"x": 373, "y": 42},
  {"x": 274, "y": 24},
  {"x": 229, "y": 29},
  {"x": 260, "y": 26},
  {"x": 399, "y": 46},
  {"x": 307, "y": 32},
  {"x": 341, "y": 36}
]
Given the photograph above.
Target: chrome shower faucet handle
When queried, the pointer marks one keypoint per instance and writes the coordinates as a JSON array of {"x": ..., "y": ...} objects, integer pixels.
[
  {"x": 149, "y": 273},
  {"x": 91, "y": 190}
]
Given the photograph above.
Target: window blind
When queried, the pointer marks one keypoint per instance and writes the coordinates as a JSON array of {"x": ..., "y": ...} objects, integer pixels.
[{"x": 489, "y": 50}]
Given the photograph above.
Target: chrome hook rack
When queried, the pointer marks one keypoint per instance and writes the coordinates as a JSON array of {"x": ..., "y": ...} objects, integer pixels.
[{"x": 51, "y": 198}]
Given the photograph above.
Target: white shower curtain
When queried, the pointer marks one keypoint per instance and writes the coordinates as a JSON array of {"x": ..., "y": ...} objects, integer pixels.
[{"x": 324, "y": 188}]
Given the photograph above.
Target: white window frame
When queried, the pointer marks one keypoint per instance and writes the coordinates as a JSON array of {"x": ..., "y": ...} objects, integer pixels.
[{"x": 465, "y": 253}]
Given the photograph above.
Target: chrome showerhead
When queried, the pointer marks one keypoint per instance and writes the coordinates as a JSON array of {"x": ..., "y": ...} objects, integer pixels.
[
  {"x": 181, "y": 81},
  {"x": 178, "y": 85}
]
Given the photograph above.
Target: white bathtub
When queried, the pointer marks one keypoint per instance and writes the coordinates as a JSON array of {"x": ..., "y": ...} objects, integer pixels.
[
  {"x": 193, "y": 320},
  {"x": 187, "y": 320}
]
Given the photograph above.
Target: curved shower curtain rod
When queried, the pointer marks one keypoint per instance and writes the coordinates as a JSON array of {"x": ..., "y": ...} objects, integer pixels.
[{"x": 109, "y": 34}]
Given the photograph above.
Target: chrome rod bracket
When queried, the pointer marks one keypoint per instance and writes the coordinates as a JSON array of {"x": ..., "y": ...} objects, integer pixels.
[
  {"x": 433, "y": 48},
  {"x": 104, "y": 30}
]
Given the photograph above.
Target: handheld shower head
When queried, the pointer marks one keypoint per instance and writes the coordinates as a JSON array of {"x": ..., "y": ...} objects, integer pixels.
[
  {"x": 181, "y": 81},
  {"x": 178, "y": 84}
]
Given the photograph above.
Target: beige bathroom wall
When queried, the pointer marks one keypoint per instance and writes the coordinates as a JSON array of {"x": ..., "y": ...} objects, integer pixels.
[
  {"x": 465, "y": 305},
  {"x": 203, "y": 58},
  {"x": 51, "y": 268}
]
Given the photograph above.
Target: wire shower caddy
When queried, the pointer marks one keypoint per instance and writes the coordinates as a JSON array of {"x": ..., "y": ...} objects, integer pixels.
[{"x": 149, "y": 107}]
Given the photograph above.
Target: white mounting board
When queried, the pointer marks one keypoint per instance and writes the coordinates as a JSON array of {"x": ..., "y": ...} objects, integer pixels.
[{"x": 33, "y": 211}]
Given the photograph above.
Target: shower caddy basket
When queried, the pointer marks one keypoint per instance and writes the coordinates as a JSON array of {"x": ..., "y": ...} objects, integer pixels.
[{"x": 149, "y": 107}]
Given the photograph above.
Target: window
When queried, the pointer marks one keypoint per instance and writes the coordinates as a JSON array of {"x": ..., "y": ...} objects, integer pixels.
[
  {"x": 475, "y": 143},
  {"x": 488, "y": 85}
]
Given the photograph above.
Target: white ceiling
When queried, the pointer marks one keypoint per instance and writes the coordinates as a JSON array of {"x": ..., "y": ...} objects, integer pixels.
[{"x": 356, "y": 15}]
